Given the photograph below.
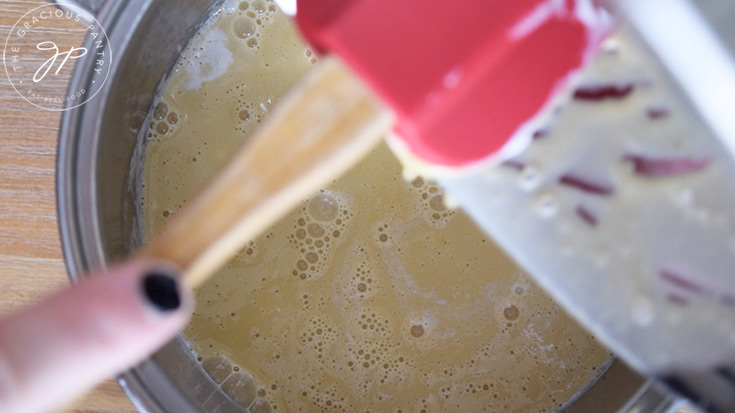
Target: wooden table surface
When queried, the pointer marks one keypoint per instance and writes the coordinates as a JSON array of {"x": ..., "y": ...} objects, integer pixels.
[{"x": 31, "y": 261}]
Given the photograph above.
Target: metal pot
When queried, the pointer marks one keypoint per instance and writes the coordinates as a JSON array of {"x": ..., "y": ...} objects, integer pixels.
[{"x": 97, "y": 207}]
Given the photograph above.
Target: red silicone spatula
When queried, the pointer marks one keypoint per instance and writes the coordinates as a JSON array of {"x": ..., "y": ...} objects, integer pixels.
[
  {"x": 469, "y": 79},
  {"x": 462, "y": 77}
]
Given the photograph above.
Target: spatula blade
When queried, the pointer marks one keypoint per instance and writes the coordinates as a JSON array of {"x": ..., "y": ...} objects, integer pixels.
[{"x": 623, "y": 210}]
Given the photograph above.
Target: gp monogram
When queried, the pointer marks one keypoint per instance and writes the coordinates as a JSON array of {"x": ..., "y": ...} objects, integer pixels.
[{"x": 36, "y": 51}]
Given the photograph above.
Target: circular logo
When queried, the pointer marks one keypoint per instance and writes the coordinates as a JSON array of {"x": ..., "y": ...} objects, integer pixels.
[{"x": 40, "y": 52}]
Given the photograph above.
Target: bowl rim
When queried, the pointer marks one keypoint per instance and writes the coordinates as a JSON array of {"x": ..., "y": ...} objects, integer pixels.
[{"x": 76, "y": 180}]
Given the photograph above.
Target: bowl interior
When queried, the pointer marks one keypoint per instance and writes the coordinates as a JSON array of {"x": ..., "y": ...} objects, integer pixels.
[{"x": 97, "y": 194}]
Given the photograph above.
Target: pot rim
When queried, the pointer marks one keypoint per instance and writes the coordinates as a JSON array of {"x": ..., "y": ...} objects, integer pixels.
[{"x": 76, "y": 180}]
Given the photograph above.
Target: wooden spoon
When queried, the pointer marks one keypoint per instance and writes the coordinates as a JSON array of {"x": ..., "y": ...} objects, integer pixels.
[{"x": 324, "y": 125}]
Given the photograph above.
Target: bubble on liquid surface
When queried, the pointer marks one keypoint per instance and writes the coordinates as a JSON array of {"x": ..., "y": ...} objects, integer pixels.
[
  {"x": 244, "y": 27},
  {"x": 511, "y": 312},
  {"x": 160, "y": 111},
  {"x": 241, "y": 388},
  {"x": 312, "y": 257},
  {"x": 437, "y": 203},
  {"x": 300, "y": 233},
  {"x": 172, "y": 118},
  {"x": 315, "y": 230},
  {"x": 218, "y": 368},
  {"x": 323, "y": 207},
  {"x": 261, "y": 406},
  {"x": 260, "y": 6},
  {"x": 162, "y": 128}
]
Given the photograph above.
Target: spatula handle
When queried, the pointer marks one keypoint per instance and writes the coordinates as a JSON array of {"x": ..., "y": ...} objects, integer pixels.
[
  {"x": 322, "y": 127},
  {"x": 712, "y": 390}
]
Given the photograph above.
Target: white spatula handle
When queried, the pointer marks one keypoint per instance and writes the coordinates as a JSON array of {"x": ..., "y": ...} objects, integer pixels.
[{"x": 694, "y": 55}]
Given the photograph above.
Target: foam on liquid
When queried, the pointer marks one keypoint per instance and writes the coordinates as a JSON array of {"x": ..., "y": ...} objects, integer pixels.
[{"x": 371, "y": 295}]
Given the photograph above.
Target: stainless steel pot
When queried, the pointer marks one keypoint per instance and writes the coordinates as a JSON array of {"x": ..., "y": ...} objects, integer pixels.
[{"x": 97, "y": 207}]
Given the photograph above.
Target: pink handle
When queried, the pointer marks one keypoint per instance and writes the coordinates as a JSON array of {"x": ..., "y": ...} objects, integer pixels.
[{"x": 462, "y": 76}]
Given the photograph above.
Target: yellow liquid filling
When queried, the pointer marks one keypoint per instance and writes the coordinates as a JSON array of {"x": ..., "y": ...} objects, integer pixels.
[{"x": 371, "y": 295}]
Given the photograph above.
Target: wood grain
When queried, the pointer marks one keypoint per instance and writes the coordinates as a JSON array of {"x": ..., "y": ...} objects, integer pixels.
[{"x": 31, "y": 262}]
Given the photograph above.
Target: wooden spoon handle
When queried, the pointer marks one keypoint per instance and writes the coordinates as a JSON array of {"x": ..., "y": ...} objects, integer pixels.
[{"x": 324, "y": 125}]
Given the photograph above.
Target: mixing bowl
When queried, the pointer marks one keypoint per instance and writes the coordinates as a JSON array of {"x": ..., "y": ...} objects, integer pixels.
[{"x": 97, "y": 200}]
